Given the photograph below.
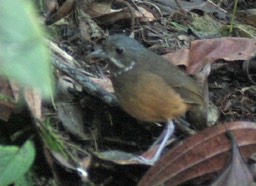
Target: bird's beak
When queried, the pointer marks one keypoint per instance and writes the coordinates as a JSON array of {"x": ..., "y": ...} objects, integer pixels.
[{"x": 99, "y": 53}]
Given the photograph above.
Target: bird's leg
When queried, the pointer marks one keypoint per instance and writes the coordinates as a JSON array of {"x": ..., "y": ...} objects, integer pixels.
[{"x": 169, "y": 130}]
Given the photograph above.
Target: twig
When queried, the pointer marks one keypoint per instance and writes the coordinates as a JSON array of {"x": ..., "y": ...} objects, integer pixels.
[{"x": 61, "y": 62}]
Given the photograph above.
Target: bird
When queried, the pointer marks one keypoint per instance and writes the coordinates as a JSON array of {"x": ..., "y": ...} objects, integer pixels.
[{"x": 150, "y": 88}]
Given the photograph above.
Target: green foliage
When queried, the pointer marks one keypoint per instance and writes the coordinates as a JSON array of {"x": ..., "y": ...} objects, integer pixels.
[
  {"x": 51, "y": 139},
  {"x": 15, "y": 162},
  {"x": 24, "y": 56}
]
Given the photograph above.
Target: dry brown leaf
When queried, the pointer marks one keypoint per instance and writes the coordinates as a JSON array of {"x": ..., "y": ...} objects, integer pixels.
[
  {"x": 212, "y": 50},
  {"x": 112, "y": 17},
  {"x": 179, "y": 57},
  {"x": 144, "y": 15},
  {"x": 202, "y": 154},
  {"x": 33, "y": 100},
  {"x": 95, "y": 8},
  {"x": 237, "y": 173},
  {"x": 56, "y": 13}
]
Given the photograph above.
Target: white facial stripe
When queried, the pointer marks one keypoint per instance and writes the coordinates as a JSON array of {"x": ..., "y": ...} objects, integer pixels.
[
  {"x": 126, "y": 69},
  {"x": 129, "y": 67},
  {"x": 115, "y": 62}
]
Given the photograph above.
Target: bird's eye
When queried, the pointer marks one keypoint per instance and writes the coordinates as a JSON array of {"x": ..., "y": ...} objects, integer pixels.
[{"x": 119, "y": 50}]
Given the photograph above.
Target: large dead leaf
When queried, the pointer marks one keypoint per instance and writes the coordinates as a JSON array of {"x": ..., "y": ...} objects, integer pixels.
[
  {"x": 212, "y": 50},
  {"x": 202, "y": 154},
  {"x": 237, "y": 173}
]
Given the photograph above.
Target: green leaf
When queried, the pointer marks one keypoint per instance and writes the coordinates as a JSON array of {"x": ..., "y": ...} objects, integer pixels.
[
  {"x": 24, "y": 181},
  {"x": 15, "y": 162},
  {"x": 24, "y": 56}
]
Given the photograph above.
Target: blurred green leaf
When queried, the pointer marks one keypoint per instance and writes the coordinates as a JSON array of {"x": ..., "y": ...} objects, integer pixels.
[
  {"x": 52, "y": 140},
  {"x": 15, "y": 162},
  {"x": 24, "y": 182},
  {"x": 24, "y": 56}
]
